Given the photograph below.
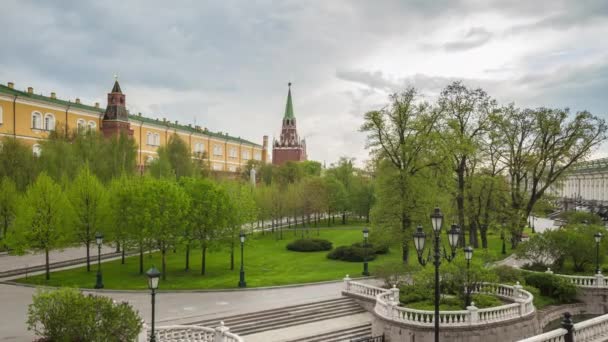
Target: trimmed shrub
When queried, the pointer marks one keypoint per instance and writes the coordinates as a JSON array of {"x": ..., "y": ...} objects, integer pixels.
[
  {"x": 485, "y": 301},
  {"x": 536, "y": 267},
  {"x": 351, "y": 253},
  {"x": 376, "y": 248},
  {"x": 552, "y": 286},
  {"x": 508, "y": 274},
  {"x": 309, "y": 245},
  {"x": 68, "y": 315}
]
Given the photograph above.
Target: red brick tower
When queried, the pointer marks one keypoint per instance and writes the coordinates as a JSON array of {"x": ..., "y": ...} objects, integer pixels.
[
  {"x": 116, "y": 117},
  {"x": 289, "y": 147}
]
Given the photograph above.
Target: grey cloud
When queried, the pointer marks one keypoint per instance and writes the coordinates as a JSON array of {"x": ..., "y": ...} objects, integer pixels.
[{"x": 477, "y": 36}]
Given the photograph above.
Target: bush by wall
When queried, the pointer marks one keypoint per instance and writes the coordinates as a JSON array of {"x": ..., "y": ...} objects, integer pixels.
[
  {"x": 309, "y": 245},
  {"x": 552, "y": 286},
  {"x": 68, "y": 315}
]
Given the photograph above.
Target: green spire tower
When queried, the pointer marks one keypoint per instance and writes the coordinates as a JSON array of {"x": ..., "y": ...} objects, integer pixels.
[{"x": 289, "y": 105}]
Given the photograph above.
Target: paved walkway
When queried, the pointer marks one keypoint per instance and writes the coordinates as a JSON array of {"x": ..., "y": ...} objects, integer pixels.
[
  {"x": 172, "y": 308},
  {"x": 13, "y": 262}
]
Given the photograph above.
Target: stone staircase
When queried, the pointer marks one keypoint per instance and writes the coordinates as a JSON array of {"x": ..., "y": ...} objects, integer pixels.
[
  {"x": 341, "y": 335},
  {"x": 289, "y": 316}
]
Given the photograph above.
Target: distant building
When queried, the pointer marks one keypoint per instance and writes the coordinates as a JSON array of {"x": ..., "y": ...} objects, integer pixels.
[
  {"x": 290, "y": 147},
  {"x": 30, "y": 118}
]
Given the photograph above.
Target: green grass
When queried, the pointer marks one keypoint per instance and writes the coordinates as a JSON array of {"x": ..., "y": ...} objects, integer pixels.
[{"x": 267, "y": 263}]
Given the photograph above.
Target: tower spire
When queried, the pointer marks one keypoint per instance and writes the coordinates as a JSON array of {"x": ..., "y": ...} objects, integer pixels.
[{"x": 289, "y": 105}]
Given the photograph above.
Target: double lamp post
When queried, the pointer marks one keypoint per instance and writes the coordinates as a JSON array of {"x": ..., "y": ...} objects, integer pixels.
[{"x": 438, "y": 255}]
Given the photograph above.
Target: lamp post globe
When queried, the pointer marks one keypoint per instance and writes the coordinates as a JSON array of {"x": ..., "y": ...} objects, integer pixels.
[
  {"x": 99, "y": 276},
  {"x": 365, "y": 264},
  {"x": 437, "y": 220},
  {"x": 153, "y": 279},
  {"x": 598, "y": 238},
  {"x": 242, "y": 282}
]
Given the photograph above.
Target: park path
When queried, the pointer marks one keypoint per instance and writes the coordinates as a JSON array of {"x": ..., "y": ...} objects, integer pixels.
[{"x": 13, "y": 262}]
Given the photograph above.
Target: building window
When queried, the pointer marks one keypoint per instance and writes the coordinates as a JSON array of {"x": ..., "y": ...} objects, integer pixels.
[
  {"x": 36, "y": 120},
  {"x": 232, "y": 168},
  {"x": 245, "y": 155},
  {"x": 49, "y": 122},
  {"x": 217, "y": 166},
  {"x": 199, "y": 148},
  {"x": 258, "y": 156},
  {"x": 1, "y": 117},
  {"x": 81, "y": 126},
  {"x": 232, "y": 152},
  {"x": 149, "y": 139},
  {"x": 217, "y": 150},
  {"x": 36, "y": 150},
  {"x": 92, "y": 126},
  {"x": 156, "y": 139}
]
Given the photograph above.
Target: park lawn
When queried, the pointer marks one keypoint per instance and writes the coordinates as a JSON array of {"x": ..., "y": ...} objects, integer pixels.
[{"x": 267, "y": 263}]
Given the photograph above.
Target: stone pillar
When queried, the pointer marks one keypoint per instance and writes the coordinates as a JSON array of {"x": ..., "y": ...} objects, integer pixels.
[
  {"x": 473, "y": 313},
  {"x": 143, "y": 334},
  {"x": 220, "y": 333},
  {"x": 395, "y": 295},
  {"x": 517, "y": 290},
  {"x": 549, "y": 270},
  {"x": 599, "y": 279},
  {"x": 347, "y": 283}
]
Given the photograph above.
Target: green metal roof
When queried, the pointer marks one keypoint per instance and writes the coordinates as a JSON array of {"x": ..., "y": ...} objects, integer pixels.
[
  {"x": 23, "y": 94},
  {"x": 289, "y": 105}
]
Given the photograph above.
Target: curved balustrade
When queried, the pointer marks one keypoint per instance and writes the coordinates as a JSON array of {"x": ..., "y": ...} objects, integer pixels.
[
  {"x": 591, "y": 330},
  {"x": 556, "y": 335},
  {"x": 387, "y": 306}
]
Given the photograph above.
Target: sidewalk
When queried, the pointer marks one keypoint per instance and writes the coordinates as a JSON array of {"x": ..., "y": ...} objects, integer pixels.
[{"x": 13, "y": 262}]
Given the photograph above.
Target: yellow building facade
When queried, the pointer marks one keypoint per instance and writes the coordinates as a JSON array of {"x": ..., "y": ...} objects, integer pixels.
[{"x": 30, "y": 117}]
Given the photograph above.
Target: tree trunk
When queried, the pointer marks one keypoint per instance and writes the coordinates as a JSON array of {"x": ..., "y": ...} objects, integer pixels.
[
  {"x": 203, "y": 260},
  {"x": 187, "y": 256},
  {"x": 122, "y": 256},
  {"x": 163, "y": 252},
  {"x": 343, "y": 217},
  {"x": 88, "y": 244},
  {"x": 484, "y": 237},
  {"x": 329, "y": 218},
  {"x": 405, "y": 223},
  {"x": 47, "y": 265},
  {"x": 460, "y": 199},
  {"x": 117, "y": 246},
  {"x": 141, "y": 259},
  {"x": 232, "y": 255}
]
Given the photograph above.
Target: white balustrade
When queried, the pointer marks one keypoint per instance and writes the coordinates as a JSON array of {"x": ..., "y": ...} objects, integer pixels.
[
  {"x": 556, "y": 335},
  {"x": 386, "y": 306},
  {"x": 191, "y": 333},
  {"x": 591, "y": 330}
]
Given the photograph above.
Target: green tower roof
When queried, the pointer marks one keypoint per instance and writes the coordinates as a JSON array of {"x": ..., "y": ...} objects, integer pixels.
[{"x": 289, "y": 106}]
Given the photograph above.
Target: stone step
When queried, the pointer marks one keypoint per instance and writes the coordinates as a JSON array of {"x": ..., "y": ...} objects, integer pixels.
[
  {"x": 340, "y": 335},
  {"x": 255, "y": 322}
]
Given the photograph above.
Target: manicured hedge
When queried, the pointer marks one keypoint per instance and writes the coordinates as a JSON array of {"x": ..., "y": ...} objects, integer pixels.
[
  {"x": 552, "y": 286},
  {"x": 375, "y": 248},
  {"x": 351, "y": 253},
  {"x": 309, "y": 245}
]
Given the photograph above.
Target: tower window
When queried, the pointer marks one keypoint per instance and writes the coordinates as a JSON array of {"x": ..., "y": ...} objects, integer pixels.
[{"x": 36, "y": 120}]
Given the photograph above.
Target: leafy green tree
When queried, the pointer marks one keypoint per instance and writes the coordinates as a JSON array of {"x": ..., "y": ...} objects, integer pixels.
[
  {"x": 139, "y": 231},
  {"x": 336, "y": 196},
  {"x": 404, "y": 134},
  {"x": 288, "y": 173},
  {"x": 343, "y": 171},
  {"x": 242, "y": 209},
  {"x": 122, "y": 214},
  {"x": 44, "y": 220},
  {"x": 167, "y": 208},
  {"x": 120, "y": 157},
  {"x": 310, "y": 168},
  {"x": 539, "y": 146},
  {"x": 17, "y": 162},
  {"x": 208, "y": 213},
  {"x": 362, "y": 196},
  {"x": 87, "y": 196},
  {"x": 8, "y": 204}
]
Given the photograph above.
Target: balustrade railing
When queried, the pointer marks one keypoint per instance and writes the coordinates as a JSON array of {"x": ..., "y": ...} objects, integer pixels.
[
  {"x": 591, "y": 330},
  {"x": 387, "y": 305},
  {"x": 190, "y": 333},
  {"x": 597, "y": 280}
]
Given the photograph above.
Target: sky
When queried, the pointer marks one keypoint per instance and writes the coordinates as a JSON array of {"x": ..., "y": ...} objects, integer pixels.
[{"x": 225, "y": 64}]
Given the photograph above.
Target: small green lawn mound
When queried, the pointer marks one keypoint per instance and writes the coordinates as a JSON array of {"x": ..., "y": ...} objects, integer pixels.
[
  {"x": 309, "y": 245},
  {"x": 352, "y": 254}
]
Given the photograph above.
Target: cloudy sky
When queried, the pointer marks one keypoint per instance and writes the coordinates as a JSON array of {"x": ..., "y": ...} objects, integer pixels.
[{"x": 225, "y": 64}]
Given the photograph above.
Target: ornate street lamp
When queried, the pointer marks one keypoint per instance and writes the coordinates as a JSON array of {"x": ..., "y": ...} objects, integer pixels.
[
  {"x": 598, "y": 239},
  {"x": 153, "y": 278},
  {"x": 242, "y": 282},
  {"x": 99, "y": 280},
  {"x": 468, "y": 255},
  {"x": 419, "y": 242},
  {"x": 365, "y": 266}
]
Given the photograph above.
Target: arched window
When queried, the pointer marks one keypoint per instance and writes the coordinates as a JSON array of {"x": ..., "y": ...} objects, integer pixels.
[
  {"x": 149, "y": 139},
  {"x": 36, "y": 120},
  {"x": 1, "y": 117},
  {"x": 81, "y": 126},
  {"x": 92, "y": 126},
  {"x": 156, "y": 139},
  {"x": 49, "y": 122},
  {"x": 36, "y": 150}
]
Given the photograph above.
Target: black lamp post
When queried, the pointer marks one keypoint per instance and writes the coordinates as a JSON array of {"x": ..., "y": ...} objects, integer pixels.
[
  {"x": 365, "y": 266},
  {"x": 419, "y": 241},
  {"x": 99, "y": 280},
  {"x": 242, "y": 282},
  {"x": 153, "y": 278},
  {"x": 598, "y": 239},
  {"x": 468, "y": 255}
]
